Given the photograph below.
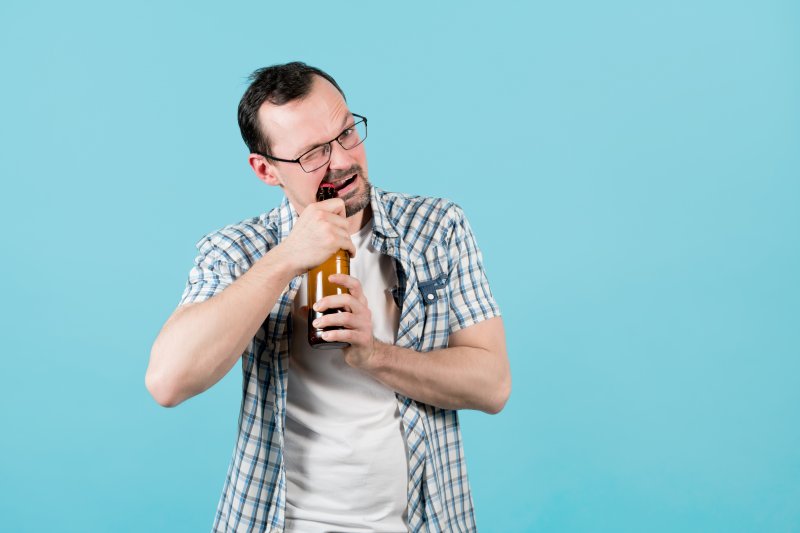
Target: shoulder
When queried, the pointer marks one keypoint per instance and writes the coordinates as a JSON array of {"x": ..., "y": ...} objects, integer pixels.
[
  {"x": 244, "y": 242},
  {"x": 422, "y": 221}
]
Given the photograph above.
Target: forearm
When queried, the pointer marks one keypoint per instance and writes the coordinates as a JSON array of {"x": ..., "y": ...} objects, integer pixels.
[
  {"x": 201, "y": 342},
  {"x": 461, "y": 377},
  {"x": 472, "y": 373}
]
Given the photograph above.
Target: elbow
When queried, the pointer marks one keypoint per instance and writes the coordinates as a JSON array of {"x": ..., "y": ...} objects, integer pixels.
[
  {"x": 500, "y": 395},
  {"x": 163, "y": 389}
]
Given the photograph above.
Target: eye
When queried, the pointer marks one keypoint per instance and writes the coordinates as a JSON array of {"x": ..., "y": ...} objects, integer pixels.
[
  {"x": 346, "y": 133},
  {"x": 319, "y": 151}
]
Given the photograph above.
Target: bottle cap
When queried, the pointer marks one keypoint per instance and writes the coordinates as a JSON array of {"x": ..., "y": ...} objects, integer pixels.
[{"x": 326, "y": 191}]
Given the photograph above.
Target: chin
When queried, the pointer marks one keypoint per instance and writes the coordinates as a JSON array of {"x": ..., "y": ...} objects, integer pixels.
[{"x": 357, "y": 201}]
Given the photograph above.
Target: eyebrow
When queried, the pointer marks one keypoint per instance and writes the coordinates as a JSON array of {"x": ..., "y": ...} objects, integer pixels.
[{"x": 347, "y": 119}]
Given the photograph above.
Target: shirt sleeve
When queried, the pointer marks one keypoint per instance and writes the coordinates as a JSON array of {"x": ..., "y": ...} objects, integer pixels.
[
  {"x": 213, "y": 271},
  {"x": 471, "y": 299}
]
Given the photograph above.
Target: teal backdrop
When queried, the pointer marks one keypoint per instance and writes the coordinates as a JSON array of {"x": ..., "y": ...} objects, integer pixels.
[{"x": 630, "y": 170}]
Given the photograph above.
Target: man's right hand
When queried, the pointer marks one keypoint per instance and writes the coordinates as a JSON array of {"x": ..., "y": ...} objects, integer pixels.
[
  {"x": 317, "y": 234},
  {"x": 201, "y": 342}
]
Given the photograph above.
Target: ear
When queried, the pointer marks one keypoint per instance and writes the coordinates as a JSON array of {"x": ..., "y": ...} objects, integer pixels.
[{"x": 264, "y": 170}]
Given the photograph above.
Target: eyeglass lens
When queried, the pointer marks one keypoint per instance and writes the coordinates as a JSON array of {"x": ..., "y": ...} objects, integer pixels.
[{"x": 349, "y": 139}]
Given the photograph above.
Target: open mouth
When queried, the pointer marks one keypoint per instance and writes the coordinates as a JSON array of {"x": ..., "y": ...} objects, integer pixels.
[{"x": 342, "y": 184}]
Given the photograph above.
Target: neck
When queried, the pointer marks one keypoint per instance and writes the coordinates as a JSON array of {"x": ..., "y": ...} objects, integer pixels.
[{"x": 357, "y": 221}]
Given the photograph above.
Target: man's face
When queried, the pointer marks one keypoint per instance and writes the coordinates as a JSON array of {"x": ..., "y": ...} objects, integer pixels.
[{"x": 299, "y": 126}]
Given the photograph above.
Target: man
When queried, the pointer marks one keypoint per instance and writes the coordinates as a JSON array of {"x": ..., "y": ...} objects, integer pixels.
[{"x": 365, "y": 438}]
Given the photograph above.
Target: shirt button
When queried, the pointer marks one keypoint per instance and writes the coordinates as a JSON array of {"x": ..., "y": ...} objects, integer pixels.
[{"x": 431, "y": 297}]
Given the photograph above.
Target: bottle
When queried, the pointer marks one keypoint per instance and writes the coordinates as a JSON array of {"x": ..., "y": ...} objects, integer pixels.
[{"x": 319, "y": 286}]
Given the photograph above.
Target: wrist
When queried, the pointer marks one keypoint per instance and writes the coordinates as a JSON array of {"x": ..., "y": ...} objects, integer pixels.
[
  {"x": 284, "y": 261},
  {"x": 379, "y": 353}
]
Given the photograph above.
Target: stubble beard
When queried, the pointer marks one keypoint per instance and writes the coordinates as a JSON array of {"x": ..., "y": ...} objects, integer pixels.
[{"x": 358, "y": 199}]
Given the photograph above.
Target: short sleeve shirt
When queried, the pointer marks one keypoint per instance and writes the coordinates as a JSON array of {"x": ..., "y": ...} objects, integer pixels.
[{"x": 441, "y": 288}]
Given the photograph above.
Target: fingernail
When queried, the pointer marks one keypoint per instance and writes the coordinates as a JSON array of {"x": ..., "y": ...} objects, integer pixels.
[{"x": 315, "y": 323}]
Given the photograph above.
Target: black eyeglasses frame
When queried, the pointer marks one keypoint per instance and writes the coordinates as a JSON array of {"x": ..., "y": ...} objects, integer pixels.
[{"x": 297, "y": 161}]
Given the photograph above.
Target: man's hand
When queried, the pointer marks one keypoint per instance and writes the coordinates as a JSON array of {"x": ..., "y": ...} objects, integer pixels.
[
  {"x": 317, "y": 234},
  {"x": 471, "y": 373},
  {"x": 355, "y": 317}
]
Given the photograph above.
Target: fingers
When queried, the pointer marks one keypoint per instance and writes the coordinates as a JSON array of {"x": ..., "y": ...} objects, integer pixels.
[
  {"x": 340, "y": 301},
  {"x": 347, "y": 320},
  {"x": 337, "y": 227},
  {"x": 342, "y": 335},
  {"x": 326, "y": 217},
  {"x": 320, "y": 231},
  {"x": 356, "y": 328},
  {"x": 361, "y": 349},
  {"x": 356, "y": 292},
  {"x": 344, "y": 242},
  {"x": 350, "y": 283},
  {"x": 353, "y": 323},
  {"x": 347, "y": 244},
  {"x": 334, "y": 205},
  {"x": 342, "y": 232}
]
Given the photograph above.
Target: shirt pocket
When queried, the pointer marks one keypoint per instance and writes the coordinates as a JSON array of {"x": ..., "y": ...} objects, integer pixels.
[{"x": 432, "y": 276}]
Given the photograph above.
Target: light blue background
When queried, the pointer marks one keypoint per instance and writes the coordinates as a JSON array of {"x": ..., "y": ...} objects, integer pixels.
[{"x": 630, "y": 170}]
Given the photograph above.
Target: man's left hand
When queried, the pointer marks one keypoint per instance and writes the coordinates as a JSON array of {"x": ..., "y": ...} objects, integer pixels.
[{"x": 355, "y": 317}]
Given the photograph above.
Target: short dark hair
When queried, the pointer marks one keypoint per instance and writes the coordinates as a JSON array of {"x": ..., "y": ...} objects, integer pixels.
[{"x": 278, "y": 85}]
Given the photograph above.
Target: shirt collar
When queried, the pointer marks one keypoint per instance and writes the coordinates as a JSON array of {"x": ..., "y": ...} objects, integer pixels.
[{"x": 380, "y": 220}]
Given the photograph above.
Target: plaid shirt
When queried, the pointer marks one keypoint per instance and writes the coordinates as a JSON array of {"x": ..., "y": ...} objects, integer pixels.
[{"x": 442, "y": 288}]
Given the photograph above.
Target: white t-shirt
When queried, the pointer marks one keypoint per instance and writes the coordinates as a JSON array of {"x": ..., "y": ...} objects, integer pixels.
[{"x": 346, "y": 464}]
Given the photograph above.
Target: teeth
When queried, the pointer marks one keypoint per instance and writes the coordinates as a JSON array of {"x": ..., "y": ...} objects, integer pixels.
[{"x": 342, "y": 184}]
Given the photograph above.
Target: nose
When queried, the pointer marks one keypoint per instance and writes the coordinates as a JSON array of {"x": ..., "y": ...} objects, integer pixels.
[{"x": 341, "y": 158}]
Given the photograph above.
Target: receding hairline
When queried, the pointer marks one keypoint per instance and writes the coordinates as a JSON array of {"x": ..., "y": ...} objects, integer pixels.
[
  {"x": 277, "y": 84},
  {"x": 297, "y": 101}
]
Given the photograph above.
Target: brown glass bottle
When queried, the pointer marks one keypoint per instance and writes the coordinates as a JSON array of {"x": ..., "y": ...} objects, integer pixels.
[{"x": 319, "y": 286}]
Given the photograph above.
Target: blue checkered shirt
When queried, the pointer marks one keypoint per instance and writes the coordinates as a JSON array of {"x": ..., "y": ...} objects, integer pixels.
[{"x": 442, "y": 288}]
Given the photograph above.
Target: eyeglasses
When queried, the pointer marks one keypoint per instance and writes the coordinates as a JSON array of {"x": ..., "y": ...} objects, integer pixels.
[{"x": 319, "y": 156}]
